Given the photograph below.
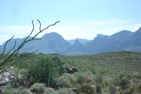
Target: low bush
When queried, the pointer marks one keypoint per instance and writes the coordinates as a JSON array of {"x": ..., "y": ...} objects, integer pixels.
[
  {"x": 37, "y": 88},
  {"x": 98, "y": 89},
  {"x": 23, "y": 71},
  {"x": 113, "y": 89},
  {"x": 137, "y": 75},
  {"x": 62, "y": 91},
  {"x": 9, "y": 90},
  {"x": 80, "y": 78},
  {"x": 99, "y": 79},
  {"x": 86, "y": 88},
  {"x": 66, "y": 80},
  {"x": 122, "y": 80},
  {"x": 25, "y": 91}
]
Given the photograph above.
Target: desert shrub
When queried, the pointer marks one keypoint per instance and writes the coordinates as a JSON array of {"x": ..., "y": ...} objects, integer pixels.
[
  {"x": 24, "y": 63},
  {"x": 128, "y": 91},
  {"x": 106, "y": 81},
  {"x": 23, "y": 71},
  {"x": 59, "y": 64},
  {"x": 86, "y": 66},
  {"x": 25, "y": 91},
  {"x": 86, "y": 88},
  {"x": 89, "y": 79},
  {"x": 99, "y": 79},
  {"x": 9, "y": 90},
  {"x": 135, "y": 80},
  {"x": 43, "y": 70},
  {"x": 102, "y": 71},
  {"x": 49, "y": 90},
  {"x": 84, "y": 77},
  {"x": 89, "y": 73},
  {"x": 21, "y": 80},
  {"x": 66, "y": 80},
  {"x": 112, "y": 89},
  {"x": 122, "y": 81},
  {"x": 137, "y": 75},
  {"x": 80, "y": 78},
  {"x": 139, "y": 87},
  {"x": 62, "y": 91},
  {"x": 59, "y": 91},
  {"x": 22, "y": 74},
  {"x": 98, "y": 89},
  {"x": 37, "y": 88}
]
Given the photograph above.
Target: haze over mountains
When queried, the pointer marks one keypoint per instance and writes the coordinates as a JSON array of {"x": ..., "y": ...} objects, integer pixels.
[{"x": 54, "y": 43}]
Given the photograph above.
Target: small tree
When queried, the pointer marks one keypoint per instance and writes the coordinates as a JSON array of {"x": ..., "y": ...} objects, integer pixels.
[
  {"x": 6, "y": 56},
  {"x": 42, "y": 70}
]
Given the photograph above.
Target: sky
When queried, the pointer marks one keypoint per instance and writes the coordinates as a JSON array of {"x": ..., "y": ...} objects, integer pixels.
[{"x": 78, "y": 18}]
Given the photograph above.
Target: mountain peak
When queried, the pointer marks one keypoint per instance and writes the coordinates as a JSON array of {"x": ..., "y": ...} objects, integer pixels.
[
  {"x": 83, "y": 41},
  {"x": 123, "y": 33},
  {"x": 140, "y": 28},
  {"x": 77, "y": 48},
  {"x": 52, "y": 35},
  {"x": 55, "y": 43},
  {"x": 138, "y": 32},
  {"x": 100, "y": 35},
  {"x": 77, "y": 43}
]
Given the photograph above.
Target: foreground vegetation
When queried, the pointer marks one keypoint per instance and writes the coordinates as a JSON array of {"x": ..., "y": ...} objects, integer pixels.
[{"x": 105, "y": 73}]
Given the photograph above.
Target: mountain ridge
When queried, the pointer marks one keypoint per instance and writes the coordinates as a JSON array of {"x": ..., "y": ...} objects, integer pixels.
[{"x": 53, "y": 42}]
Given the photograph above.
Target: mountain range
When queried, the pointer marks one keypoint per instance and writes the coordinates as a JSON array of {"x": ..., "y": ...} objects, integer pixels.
[{"x": 124, "y": 40}]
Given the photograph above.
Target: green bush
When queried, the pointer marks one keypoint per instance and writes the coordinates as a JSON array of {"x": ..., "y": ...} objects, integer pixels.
[
  {"x": 37, "y": 88},
  {"x": 66, "y": 80},
  {"x": 59, "y": 64},
  {"x": 98, "y": 89},
  {"x": 85, "y": 66},
  {"x": 86, "y": 88},
  {"x": 43, "y": 70},
  {"x": 62, "y": 91},
  {"x": 139, "y": 87},
  {"x": 23, "y": 71},
  {"x": 99, "y": 79},
  {"x": 49, "y": 90},
  {"x": 84, "y": 77},
  {"x": 9, "y": 90},
  {"x": 122, "y": 81},
  {"x": 106, "y": 81},
  {"x": 137, "y": 75},
  {"x": 25, "y": 91},
  {"x": 128, "y": 91},
  {"x": 80, "y": 78},
  {"x": 58, "y": 91},
  {"x": 113, "y": 89}
]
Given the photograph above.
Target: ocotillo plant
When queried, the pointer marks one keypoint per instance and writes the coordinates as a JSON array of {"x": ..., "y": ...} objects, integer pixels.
[{"x": 5, "y": 56}]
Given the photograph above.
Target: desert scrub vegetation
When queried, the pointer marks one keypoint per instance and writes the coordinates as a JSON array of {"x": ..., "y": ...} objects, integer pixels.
[
  {"x": 8, "y": 55},
  {"x": 105, "y": 73},
  {"x": 47, "y": 72}
]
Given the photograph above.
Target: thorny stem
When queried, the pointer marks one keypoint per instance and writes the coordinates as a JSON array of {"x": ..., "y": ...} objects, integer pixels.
[{"x": 5, "y": 57}]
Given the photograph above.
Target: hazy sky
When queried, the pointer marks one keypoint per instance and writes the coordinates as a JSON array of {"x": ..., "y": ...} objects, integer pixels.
[{"x": 79, "y": 18}]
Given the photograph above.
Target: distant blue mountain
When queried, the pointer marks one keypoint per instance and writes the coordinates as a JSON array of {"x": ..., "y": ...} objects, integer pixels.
[
  {"x": 77, "y": 48},
  {"x": 72, "y": 41},
  {"x": 54, "y": 43}
]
